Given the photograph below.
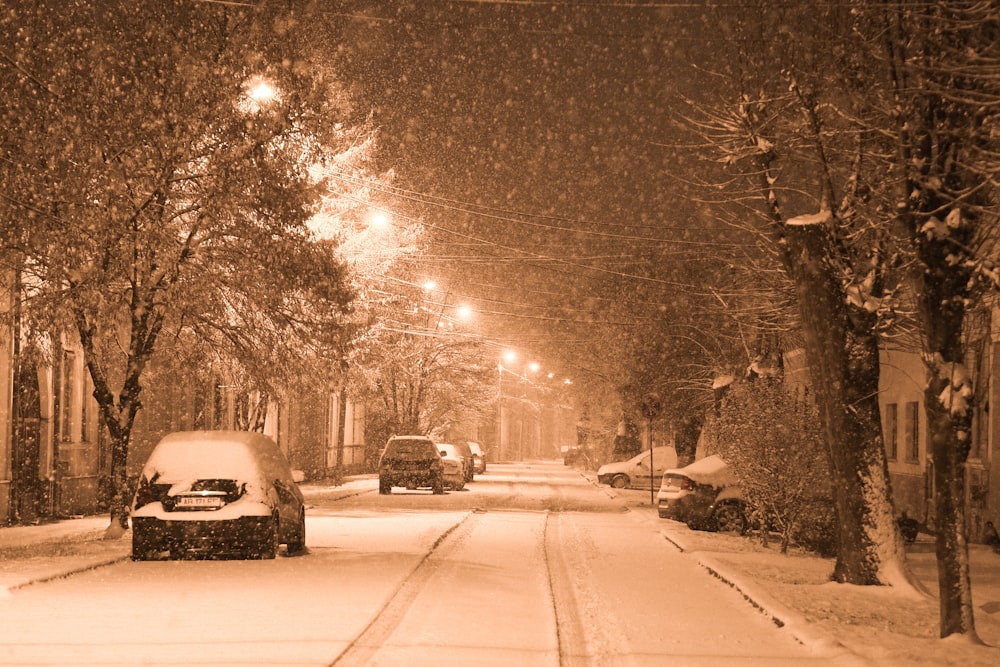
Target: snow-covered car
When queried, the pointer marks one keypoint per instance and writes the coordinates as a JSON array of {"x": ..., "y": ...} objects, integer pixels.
[
  {"x": 217, "y": 493},
  {"x": 478, "y": 458},
  {"x": 705, "y": 495},
  {"x": 468, "y": 459},
  {"x": 412, "y": 461},
  {"x": 635, "y": 472},
  {"x": 454, "y": 467}
]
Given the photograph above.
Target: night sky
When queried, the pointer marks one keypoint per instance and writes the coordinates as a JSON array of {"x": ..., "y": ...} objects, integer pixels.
[{"x": 537, "y": 143}]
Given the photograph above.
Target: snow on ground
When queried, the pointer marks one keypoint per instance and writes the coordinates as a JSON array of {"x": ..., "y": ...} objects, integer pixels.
[{"x": 888, "y": 626}]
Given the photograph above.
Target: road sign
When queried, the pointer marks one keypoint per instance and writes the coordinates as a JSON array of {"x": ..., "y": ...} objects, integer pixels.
[{"x": 651, "y": 405}]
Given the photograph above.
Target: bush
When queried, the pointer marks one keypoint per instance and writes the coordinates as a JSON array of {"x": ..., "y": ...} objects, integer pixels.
[{"x": 774, "y": 446}]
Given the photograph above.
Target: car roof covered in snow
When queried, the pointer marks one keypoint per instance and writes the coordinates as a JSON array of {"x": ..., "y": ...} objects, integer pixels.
[
  {"x": 709, "y": 470},
  {"x": 215, "y": 454}
]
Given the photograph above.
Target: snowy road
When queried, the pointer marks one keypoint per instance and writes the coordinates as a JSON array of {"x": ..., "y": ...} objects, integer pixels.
[{"x": 528, "y": 566}]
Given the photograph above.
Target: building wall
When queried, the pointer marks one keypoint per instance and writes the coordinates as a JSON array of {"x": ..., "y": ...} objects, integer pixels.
[
  {"x": 6, "y": 392},
  {"x": 985, "y": 463},
  {"x": 75, "y": 457},
  {"x": 904, "y": 429}
]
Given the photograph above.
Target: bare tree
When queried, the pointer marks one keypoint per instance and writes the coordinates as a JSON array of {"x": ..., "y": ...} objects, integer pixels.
[
  {"x": 418, "y": 376},
  {"x": 789, "y": 138},
  {"x": 773, "y": 442}
]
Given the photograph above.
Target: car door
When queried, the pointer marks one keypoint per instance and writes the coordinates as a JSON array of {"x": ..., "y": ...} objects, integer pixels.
[{"x": 640, "y": 472}]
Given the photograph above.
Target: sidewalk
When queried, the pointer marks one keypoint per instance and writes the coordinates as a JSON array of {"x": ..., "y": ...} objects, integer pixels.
[
  {"x": 886, "y": 626},
  {"x": 32, "y": 554}
]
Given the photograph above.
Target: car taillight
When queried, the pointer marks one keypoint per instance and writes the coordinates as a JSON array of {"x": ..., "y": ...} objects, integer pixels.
[
  {"x": 143, "y": 494},
  {"x": 686, "y": 484}
]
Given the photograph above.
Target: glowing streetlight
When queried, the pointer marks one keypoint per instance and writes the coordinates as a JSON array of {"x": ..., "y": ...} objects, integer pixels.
[{"x": 262, "y": 91}]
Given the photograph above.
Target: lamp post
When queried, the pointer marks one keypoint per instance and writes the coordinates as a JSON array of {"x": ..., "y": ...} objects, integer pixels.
[{"x": 503, "y": 414}]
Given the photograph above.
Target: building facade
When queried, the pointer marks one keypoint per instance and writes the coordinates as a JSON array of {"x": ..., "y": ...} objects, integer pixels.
[
  {"x": 905, "y": 430},
  {"x": 54, "y": 453}
]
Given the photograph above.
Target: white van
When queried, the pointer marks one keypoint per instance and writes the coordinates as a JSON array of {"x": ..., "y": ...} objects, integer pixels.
[{"x": 635, "y": 472}]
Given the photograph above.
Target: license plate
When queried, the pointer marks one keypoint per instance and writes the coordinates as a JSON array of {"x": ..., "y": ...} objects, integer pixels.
[{"x": 200, "y": 502}]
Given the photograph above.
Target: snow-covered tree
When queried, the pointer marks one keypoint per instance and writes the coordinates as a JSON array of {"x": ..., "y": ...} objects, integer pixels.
[
  {"x": 772, "y": 441},
  {"x": 934, "y": 84},
  {"x": 419, "y": 370},
  {"x": 784, "y": 132},
  {"x": 158, "y": 189}
]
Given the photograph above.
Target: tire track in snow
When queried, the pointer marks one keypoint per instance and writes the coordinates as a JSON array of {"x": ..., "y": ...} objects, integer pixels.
[
  {"x": 364, "y": 647},
  {"x": 589, "y": 633}
]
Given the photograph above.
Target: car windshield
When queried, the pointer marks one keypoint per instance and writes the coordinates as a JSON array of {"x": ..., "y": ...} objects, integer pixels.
[{"x": 410, "y": 448}]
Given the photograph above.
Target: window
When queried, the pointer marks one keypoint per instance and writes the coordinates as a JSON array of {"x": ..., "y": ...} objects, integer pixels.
[
  {"x": 892, "y": 431},
  {"x": 66, "y": 382},
  {"x": 913, "y": 431}
]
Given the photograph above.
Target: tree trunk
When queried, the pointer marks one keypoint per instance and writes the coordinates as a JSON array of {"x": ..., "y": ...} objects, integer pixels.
[
  {"x": 686, "y": 435},
  {"x": 943, "y": 294},
  {"x": 120, "y": 500},
  {"x": 843, "y": 369},
  {"x": 951, "y": 542},
  {"x": 119, "y": 411}
]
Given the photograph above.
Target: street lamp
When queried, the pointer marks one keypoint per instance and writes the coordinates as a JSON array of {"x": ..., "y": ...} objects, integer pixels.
[{"x": 259, "y": 93}]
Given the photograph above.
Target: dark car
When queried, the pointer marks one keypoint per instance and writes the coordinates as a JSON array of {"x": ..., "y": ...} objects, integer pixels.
[
  {"x": 217, "y": 493},
  {"x": 411, "y": 461}
]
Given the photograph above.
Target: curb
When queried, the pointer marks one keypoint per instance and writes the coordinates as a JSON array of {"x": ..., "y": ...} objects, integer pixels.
[
  {"x": 798, "y": 626},
  {"x": 5, "y": 591}
]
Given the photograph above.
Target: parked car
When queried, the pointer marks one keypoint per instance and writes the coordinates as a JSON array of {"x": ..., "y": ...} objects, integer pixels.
[
  {"x": 705, "y": 495},
  {"x": 570, "y": 454},
  {"x": 454, "y": 467},
  {"x": 635, "y": 472},
  {"x": 468, "y": 460},
  {"x": 412, "y": 461},
  {"x": 576, "y": 455},
  {"x": 215, "y": 493},
  {"x": 478, "y": 458}
]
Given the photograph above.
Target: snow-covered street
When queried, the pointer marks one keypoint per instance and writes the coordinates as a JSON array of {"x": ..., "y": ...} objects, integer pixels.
[{"x": 528, "y": 566}]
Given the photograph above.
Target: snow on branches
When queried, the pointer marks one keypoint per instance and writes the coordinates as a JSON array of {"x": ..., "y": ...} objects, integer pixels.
[{"x": 958, "y": 389}]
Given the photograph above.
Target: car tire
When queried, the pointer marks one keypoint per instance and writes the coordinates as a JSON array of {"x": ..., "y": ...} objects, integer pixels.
[
  {"x": 619, "y": 481},
  {"x": 664, "y": 514},
  {"x": 384, "y": 488},
  {"x": 297, "y": 542},
  {"x": 728, "y": 518},
  {"x": 437, "y": 487}
]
